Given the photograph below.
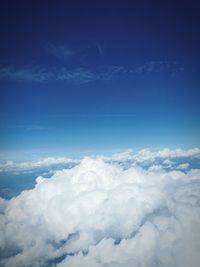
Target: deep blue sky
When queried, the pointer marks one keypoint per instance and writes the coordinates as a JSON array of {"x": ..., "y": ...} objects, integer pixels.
[{"x": 78, "y": 76}]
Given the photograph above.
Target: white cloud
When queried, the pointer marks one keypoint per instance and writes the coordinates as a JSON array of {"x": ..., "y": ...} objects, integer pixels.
[
  {"x": 129, "y": 157},
  {"x": 151, "y": 155},
  {"x": 99, "y": 214},
  {"x": 167, "y": 162},
  {"x": 183, "y": 166},
  {"x": 11, "y": 166}
]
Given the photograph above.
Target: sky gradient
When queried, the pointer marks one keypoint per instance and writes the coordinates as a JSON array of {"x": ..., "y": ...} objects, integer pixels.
[{"x": 97, "y": 76}]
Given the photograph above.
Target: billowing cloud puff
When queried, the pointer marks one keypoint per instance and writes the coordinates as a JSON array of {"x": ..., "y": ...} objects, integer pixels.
[{"x": 99, "y": 214}]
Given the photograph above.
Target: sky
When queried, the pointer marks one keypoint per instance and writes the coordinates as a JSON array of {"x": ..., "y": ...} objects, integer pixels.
[
  {"x": 99, "y": 76},
  {"x": 99, "y": 133}
]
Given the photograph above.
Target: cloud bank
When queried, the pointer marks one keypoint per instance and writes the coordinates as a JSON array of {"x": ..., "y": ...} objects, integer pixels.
[
  {"x": 164, "y": 157},
  {"x": 30, "y": 166},
  {"x": 101, "y": 214}
]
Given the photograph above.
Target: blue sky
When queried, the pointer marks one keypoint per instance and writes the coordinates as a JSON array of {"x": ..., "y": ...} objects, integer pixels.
[{"x": 99, "y": 76}]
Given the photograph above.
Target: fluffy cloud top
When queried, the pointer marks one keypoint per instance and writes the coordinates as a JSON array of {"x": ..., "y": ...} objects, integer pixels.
[{"x": 99, "y": 214}]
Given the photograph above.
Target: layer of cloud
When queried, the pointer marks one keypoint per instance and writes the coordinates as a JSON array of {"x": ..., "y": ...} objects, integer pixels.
[
  {"x": 165, "y": 157},
  {"x": 30, "y": 166},
  {"x": 25, "y": 127},
  {"x": 63, "y": 74},
  {"x": 60, "y": 52},
  {"x": 26, "y": 74},
  {"x": 160, "y": 66},
  {"x": 148, "y": 154},
  {"x": 99, "y": 214},
  {"x": 83, "y": 75}
]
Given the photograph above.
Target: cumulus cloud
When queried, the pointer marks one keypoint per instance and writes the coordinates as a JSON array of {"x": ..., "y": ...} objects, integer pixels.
[
  {"x": 184, "y": 166},
  {"x": 100, "y": 214}
]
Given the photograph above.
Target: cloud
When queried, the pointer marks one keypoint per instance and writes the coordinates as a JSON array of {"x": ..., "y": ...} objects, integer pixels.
[
  {"x": 35, "y": 127},
  {"x": 81, "y": 75},
  {"x": 150, "y": 67},
  {"x": 100, "y": 49},
  {"x": 165, "y": 157},
  {"x": 30, "y": 166},
  {"x": 29, "y": 74},
  {"x": 63, "y": 74},
  {"x": 151, "y": 155},
  {"x": 184, "y": 166},
  {"x": 60, "y": 52},
  {"x": 30, "y": 127},
  {"x": 99, "y": 214}
]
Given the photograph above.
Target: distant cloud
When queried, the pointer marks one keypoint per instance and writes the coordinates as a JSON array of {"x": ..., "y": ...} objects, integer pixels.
[
  {"x": 85, "y": 75},
  {"x": 28, "y": 74},
  {"x": 171, "y": 67},
  {"x": 148, "y": 154},
  {"x": 61, "y": 52},
  {"x": 100, "y": 49},
  {"x": 31, "y": 127},
  {"x": 164, "y": 157},
  {"x": 35, "y": 128},
  {"x": 31, "y": 166},
  {"x": 81, "y": 75},
  {"x": 75, "y": 75}
]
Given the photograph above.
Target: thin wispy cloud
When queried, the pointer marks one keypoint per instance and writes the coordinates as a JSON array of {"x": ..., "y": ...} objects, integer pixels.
[
  {"x": 85, "y": 75},
  {"x": 35, "y": 128},
  {"x": 100, "y": 49},
  {"x": 31, "y": 127},
  {"x": 26, "y": 74},
  {"x": 75, "y": 75},
  {"x": 81, "y": 75},
  {"x": 171, "y": 67},
  {"x": 60, "y": 52}
]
